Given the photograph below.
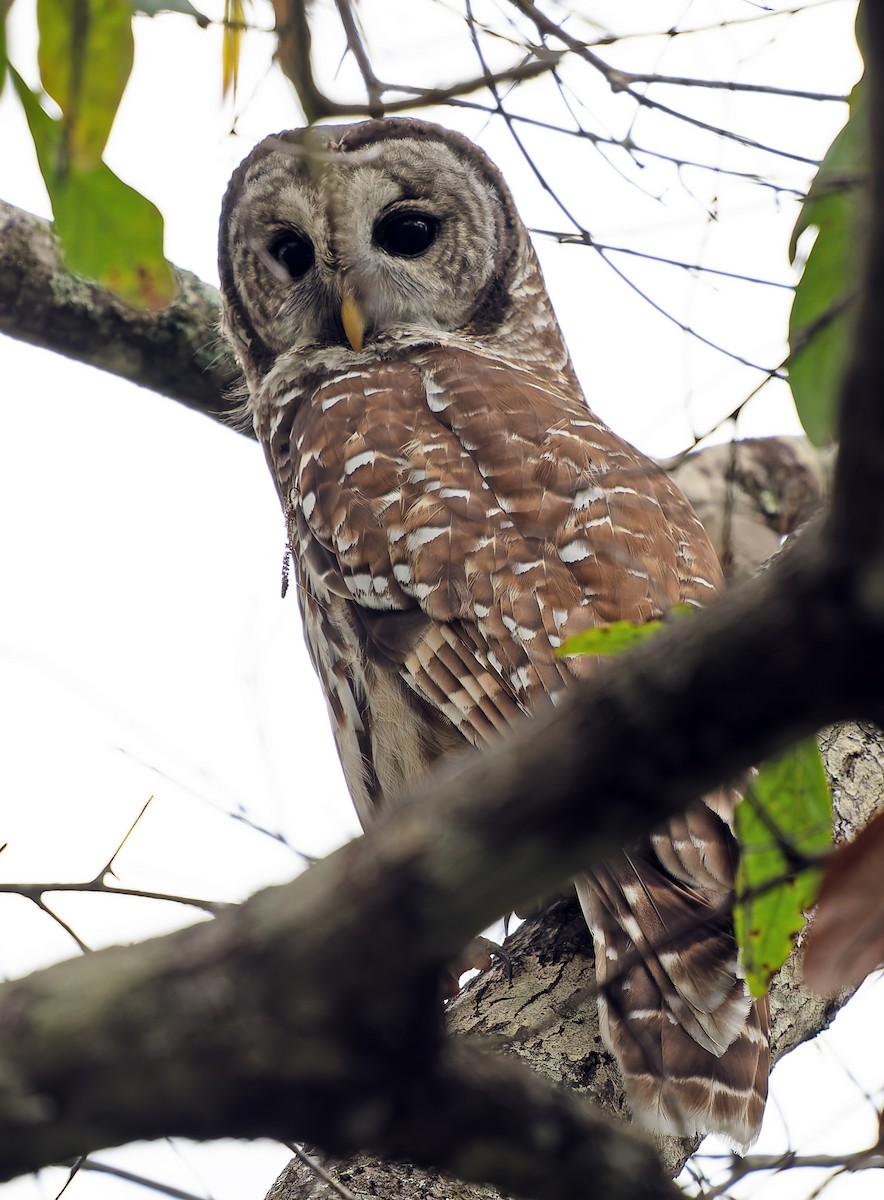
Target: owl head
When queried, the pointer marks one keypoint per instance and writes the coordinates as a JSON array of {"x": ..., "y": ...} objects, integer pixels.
[{"x": 367, "y": 235}]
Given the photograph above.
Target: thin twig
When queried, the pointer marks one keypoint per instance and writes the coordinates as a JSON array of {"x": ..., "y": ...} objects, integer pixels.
[
  {"x": 573, "y": 239},
  {"x": 320, "y": 1172},
  {"x": 109, "y": 866},
  {"x": 619, "y": 81},
  {"x": 766, "y": 14},
  {"x": 294, "y": 43},
  {"x": 356, "y": 45},
  {"x": 871, "y": 1159},
  {"x": 35, "y": 892},
  {"x": 164, "y": 1189},
  {"x": 632, "y": 148},
  {"x": 769, "y": 372},
  {"x": 61, "y": 922},
  {"x": 730, "y": 85}
]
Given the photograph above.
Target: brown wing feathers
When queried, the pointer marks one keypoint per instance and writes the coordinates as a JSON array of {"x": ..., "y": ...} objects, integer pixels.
[{"x": 472, "y": 526}]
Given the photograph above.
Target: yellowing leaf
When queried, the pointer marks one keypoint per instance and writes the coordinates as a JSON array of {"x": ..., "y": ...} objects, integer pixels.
[
  {"x": 113, "y": 234},
  {"x": 234, "y": 21},
  {"x": 85, "y": 56},
  {"x": 784, "y": 821},
  {"x": 108, "y": 231}
]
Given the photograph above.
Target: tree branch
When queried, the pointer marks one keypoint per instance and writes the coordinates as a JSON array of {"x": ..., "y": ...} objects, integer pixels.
[
  {"x": 546, "y": 1014},
  {"x": 283, "y": 1018},
  {"x": 176, "y": 352},
  {"x": 294, "y": 55}
]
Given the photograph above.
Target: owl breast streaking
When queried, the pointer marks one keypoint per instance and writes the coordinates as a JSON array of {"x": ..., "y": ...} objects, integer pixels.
[{"x": 455, "y": 511}]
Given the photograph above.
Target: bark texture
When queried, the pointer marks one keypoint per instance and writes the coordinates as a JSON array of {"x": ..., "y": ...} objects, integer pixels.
[
  {"x": 177, "y": 352},
  {"x": 751, "y": 494},
  {"x": 546, "y": 1016}
]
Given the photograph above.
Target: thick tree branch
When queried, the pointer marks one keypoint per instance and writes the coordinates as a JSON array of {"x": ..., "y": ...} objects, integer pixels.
[
  {"x": 177, "y": 352},
  {"x": 546, "y": 1013},
  {"x": 284, "y": 1018},
  {"x": 749, "y": 495}
]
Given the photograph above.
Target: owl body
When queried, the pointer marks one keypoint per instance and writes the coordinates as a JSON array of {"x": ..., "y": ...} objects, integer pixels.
[{"x": 455, "y": 511}]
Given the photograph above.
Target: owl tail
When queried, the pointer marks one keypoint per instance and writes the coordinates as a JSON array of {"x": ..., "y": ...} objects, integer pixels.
[{"x": 674, "y": 1008}]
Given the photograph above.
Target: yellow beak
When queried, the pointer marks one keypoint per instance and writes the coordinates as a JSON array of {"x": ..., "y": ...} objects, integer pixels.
[{"x": 353, "y": 320}]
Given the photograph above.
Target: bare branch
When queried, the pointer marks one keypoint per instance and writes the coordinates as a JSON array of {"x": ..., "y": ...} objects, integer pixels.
[
  {"x": 629, "y": 146},
  {"x": 356, "y": 45},
  {"x": 295, "y": 40},
  {"x": 153, "y": 1185},
  {"x": 729, "y": 85},
  {"x": 574, "y": 239},
  {"x": 768, "y": 372},
  {"x": 335, "y": 1049},
  {"x": 37, "y": 891},
  {"x": 621, "y": 81},
  {"x": 765, "y": 15},
  {"x": 865, "y": 1160}
]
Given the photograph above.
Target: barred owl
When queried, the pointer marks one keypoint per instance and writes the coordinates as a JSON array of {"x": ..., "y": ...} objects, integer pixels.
[{"x": 454, "y": 512}]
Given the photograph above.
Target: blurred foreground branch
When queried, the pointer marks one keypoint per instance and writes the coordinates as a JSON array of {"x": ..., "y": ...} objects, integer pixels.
[{"x": 547, "y": 1016}]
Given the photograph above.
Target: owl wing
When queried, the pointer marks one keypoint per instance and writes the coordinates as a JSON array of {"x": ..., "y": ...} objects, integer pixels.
[
  {"x": 456, "y": 520},
  {"x": 498, "y": 514}
]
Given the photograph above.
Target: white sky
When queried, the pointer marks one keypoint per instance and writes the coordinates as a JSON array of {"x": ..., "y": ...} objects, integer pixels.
[{"x": 144, "y": 650}]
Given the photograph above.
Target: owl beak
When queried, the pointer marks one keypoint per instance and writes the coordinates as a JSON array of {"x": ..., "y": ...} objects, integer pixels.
[{"x": 353, "y": 320}]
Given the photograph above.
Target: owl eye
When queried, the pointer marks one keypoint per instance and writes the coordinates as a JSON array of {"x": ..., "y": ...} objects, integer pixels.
[
  {"x": 406, "y": 234},
  {"x": 293, "y": 251}
]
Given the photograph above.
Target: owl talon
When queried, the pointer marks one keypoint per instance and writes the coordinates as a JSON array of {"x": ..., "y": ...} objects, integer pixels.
[
  {"x": 495, "y": 951},
  {"x": 478, "y": 956}
]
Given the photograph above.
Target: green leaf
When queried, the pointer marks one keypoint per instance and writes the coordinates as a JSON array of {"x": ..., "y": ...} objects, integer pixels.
[
  {"x": 820, "y": 323},
  {"x": 618, "y": 636},
  {"x": 152, "y": 8},
  {"x": 4, "y": 9},
  {"x": 108, "y": 231},
  {"x": 85, "y": 56},
  {"x": 231, "y": 45},
  {"x": 783, "y": 823}
]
